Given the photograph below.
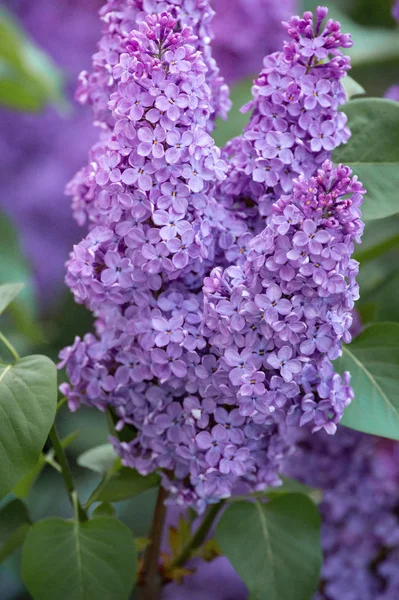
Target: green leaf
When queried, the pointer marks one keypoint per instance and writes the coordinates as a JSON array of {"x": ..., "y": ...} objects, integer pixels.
[
  {"x": 14, "y": 526},
  {"x": 380, "y": 236},
  {"x": 8, "y": 292},
  {"x": 275, "y": 547},
  {"x": 373, "y": 362},
  {"x": 105, "y": 509},
  {"x": 99, "y": 459},
  {"x": 124, "y": 483},
  {"x": 352, "y": 87},
  {"x": 28, "y": 400},
  {"x": 240, "y": 95},
  {"x": 13, "y": 266},
  {"x": 28, "y": 77},
  {"x": 65, "y": 560},
  {"x": 373, "y": 153}
]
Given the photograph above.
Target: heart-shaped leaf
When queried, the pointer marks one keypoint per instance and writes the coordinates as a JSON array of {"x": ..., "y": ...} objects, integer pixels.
[
  {"x": 28, "y": 400},
  {"x": 274, "y": 547},
  {"x": 68, "y": 560}
]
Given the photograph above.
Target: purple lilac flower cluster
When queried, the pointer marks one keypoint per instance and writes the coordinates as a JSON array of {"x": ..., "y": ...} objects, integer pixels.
[
  {"x": 245, "y": 31},
  {"x": 113, "y": 63},
  {"x": 359, "y": 477},
  {"x": 295, "y": 123},
  {"x": 280, "y": 318},
  {"x": 207, "y": 365}
]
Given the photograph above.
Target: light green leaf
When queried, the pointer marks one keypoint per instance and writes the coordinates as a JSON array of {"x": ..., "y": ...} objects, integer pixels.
[
  {"x": 14, "y": 526},
  {"x": 373, "y": 153},
  {"x": 99, "y": 459},
  {"x": 373, "y": 362},
  {"x": 13, "y": 265},
  {"x": 28, "y": 400},
  {"x": 275, "y": 547},
  {"x": 28, "y": 77},
  {"x": 240, "y": 95},
  {"x": 65, "y": 560},
  {"x": 352, "y": 87},
  {"x": 8, "y": 292}
]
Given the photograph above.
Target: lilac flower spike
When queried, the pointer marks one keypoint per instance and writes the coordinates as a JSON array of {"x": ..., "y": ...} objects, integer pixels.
[
  {"x": 295, "y": 121},
  {"x": 215, "y": 327}
]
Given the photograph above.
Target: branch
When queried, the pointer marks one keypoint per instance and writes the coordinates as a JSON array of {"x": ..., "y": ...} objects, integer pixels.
[{"x": 151, "y": 586}]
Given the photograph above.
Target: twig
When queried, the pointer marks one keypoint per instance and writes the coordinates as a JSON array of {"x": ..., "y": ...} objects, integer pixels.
[
  {"x": 9, "y": 346},
  {"x": 151, "y": 586}
]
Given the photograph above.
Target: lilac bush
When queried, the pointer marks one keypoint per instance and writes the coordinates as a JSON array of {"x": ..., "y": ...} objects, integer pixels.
[{"x": 209, "y": 364}]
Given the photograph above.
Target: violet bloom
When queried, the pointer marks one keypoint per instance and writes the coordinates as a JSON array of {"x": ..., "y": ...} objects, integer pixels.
[
  {"x": 213, "y": 381},
  {"x": 213, "y": 443}
]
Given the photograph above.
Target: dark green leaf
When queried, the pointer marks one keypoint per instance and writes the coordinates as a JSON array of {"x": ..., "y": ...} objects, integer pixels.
[
  {"x": 14, "y": 525},
  {"x": 274, "y": 547},
  {"x": 28, "y": 400},
  {"x": 373, "y": 361},
  {"x": 124, "y": 484},
  {"x": 65, "y": 560},
  {"x": 373, "y": 153},
  {"x": 8, "y": 292},
  {"x": 99, "y": 459}
]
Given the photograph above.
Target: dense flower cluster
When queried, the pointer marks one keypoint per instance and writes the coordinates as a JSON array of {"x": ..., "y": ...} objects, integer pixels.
[
  {"x": 207, "y": 365},
  {"x": 32, "y": 146},
  {"x": 280, "y": 318},
  {"x": 113, "y": 62},
  {"x": 245, "y": 31},
  {"x": 359, "y": 477},
  {"x": 295, "y": 123}
]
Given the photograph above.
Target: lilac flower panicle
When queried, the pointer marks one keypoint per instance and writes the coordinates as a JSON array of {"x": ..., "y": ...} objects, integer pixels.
[
  {"x": 295, "y": 122},
  {"x": 215, "y": 327}
]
